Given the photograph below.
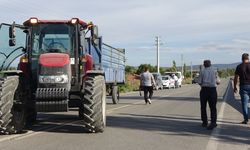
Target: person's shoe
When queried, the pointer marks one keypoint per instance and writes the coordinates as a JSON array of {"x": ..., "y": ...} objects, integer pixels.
[
  {"x": 212, "y": 126},
  {"x": 149, "y": 101},
  {"x": 244, "y": 122},
  {"x": 204, "y": 124}
]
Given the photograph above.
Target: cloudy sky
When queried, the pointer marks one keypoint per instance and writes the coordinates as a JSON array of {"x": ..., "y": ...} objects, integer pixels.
[{"x": 199, "y": 29}]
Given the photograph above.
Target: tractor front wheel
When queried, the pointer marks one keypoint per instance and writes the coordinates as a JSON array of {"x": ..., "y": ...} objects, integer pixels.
[
  {"x": 12, "y": 112},
  {"x": 93, "y": 103}
]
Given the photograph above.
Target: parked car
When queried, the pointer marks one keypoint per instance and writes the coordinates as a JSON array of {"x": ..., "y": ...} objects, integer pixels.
[
  {"x": 158, "y": 81},
  {"x": 168, "y": 82},
  {"x": 179, "y": 75}
]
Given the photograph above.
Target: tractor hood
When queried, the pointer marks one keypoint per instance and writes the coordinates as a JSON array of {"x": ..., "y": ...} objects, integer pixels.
[
  {"x": 54, "y": 71},
  {"x": 54, "y": 59}
]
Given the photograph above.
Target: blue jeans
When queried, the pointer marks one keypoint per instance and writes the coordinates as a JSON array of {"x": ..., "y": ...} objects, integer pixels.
[{"x": 244, "y": 94}]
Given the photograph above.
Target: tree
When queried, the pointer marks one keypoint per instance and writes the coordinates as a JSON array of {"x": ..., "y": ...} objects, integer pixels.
[
  {"x": 151, "y": 68},
  {"x": 130, "y": 69},
  {"x": 162, "y": 70},
  {"x": 184, "y": 69},
  {"x": 174, "y": 68},
  {"x": 223, "y": 73},
  {"x": 142, "y": 67}
]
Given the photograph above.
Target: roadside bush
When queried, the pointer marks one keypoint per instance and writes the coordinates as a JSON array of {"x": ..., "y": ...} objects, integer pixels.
[
  {"x": 131, "y": 84},
  {"x": 187, "y": 81}
]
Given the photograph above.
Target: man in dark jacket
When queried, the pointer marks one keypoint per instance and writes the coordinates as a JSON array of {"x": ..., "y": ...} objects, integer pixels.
[
  {"x": 208, "y": 81},
  {"x": 243, "y": 73}
]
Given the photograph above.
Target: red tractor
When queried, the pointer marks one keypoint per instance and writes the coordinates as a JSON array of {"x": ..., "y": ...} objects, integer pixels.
[{"x": 61, "y": 60}]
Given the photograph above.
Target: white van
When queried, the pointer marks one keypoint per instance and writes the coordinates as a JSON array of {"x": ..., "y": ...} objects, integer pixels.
[{"x": 178, "y": 74}]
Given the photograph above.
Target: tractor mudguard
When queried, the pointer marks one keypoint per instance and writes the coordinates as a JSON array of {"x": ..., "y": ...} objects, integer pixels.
[{"x": 95, "y": 72}]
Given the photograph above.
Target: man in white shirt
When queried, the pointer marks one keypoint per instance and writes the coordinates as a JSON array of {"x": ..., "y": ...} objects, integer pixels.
[
  {"x": 147, "y": 83},
  {"x": 175, "y": 80},
  {"x": 208, "y": 80}
]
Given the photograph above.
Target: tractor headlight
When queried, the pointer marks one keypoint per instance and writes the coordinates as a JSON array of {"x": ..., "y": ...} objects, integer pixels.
[
  {"x": 33, "y": 20},
  {"x": 74, "y": 20},
  {"x": 54, "y": 79}
]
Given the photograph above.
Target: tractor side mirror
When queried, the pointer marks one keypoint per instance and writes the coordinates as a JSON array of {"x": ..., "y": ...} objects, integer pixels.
[
  {"x": 12, "y": 35},
  {"x": 96, "y": 41},
  {"x": 95, "y": 36},
  {"x": 95, "y": 31}
]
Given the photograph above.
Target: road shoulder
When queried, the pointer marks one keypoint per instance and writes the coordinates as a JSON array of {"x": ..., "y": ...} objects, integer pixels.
[{"x": 230, "y": 134}]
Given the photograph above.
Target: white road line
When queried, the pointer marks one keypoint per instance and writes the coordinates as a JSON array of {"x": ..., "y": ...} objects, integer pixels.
[
  {"x": 40, "y": 130},
  {"x": 59, "y": 125},
  {"x": 124, "y": 106},
  {"x": 213, "y": 140},
  {"x": 55, "y": 126},
  {"x": 128, "y": 93}
]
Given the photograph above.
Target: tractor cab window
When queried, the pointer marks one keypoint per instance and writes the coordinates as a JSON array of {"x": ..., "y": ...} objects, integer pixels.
[{"x": 52, "y": 38}]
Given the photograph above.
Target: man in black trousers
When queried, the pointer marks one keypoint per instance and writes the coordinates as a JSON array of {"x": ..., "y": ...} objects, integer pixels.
[
  {"x": 147, "y": 83},
  {"x": 208, "y": 80}
]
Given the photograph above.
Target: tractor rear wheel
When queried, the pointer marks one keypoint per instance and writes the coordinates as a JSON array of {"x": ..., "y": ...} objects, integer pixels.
[
  {"x": 93, "y": 103},
  {"x": 12, "y": 112},
  {"x": 115, "y": 94}
]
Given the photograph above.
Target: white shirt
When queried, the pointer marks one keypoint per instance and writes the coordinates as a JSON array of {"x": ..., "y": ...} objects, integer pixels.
[
  {"x": 175, "y": 78},
  {"x": 147, "y": 79}
]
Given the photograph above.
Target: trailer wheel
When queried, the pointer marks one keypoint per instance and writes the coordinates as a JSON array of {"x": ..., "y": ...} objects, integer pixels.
[
  {"x": 12, "y": 112},
  {"x": 93, "y": 105},
  {"x": 115, "y": 94}
]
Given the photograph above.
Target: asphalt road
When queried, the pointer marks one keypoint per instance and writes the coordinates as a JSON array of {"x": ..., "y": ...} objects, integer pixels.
[{"x": 171, "y": 122}]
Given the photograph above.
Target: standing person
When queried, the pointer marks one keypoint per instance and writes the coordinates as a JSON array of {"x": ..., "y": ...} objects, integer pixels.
[
  {"x": 175, "y": 80},
  {"x": 208, "y": 81},
  {"x": 147, "y": 83},
  {"x": 243, "y": 72}
]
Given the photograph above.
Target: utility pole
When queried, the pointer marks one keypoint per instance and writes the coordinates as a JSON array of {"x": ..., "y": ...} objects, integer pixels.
[
  {"x": 158, "y": 53},
  {"x": 191, "y": 71},
  {"x": 182, "y": 65}
]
